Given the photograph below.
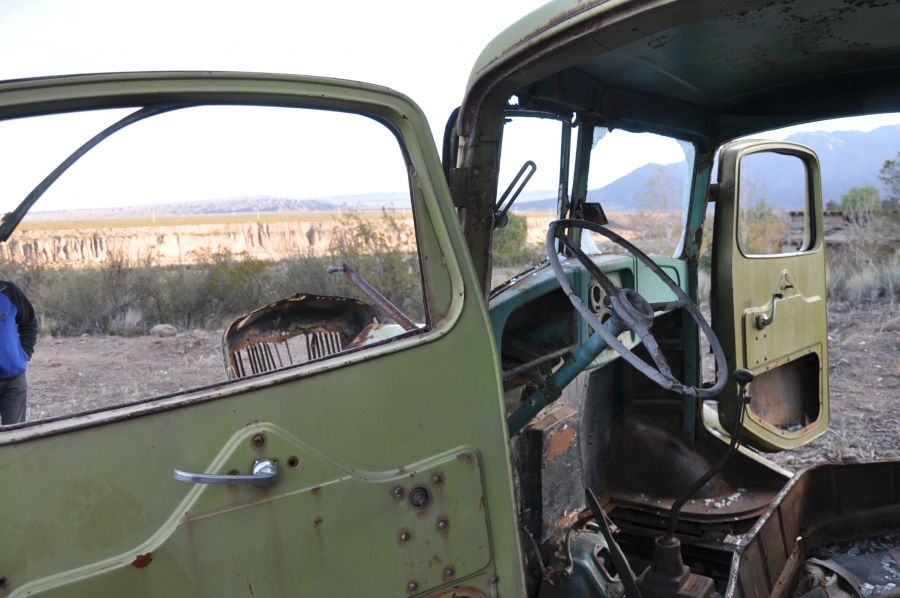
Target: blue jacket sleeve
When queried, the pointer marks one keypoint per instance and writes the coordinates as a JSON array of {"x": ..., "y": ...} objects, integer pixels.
[{"x": 26, "y": 320}]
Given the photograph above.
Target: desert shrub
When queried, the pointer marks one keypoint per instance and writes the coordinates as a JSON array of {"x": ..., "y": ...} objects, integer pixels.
[
  {"x": 761, "y": 228},
  {"x": 305, "y": 273},
  {"x": 235, "y": 285},
  {"x": 509, "y": 243},
  {"x": 864, "y": 281},
  {"x": 383, "y": 252},
  {"x": 181, "y": 298},
  {"x": 118, "y": 297},
  {"x": 861, "y": 199},
  {"x": 867, "y": 266},
  {"x": 95, "y": 300}
]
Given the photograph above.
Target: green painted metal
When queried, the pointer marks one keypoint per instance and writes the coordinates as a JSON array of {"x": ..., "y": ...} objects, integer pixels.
[
  {"x": 691, "y": 245},
  {"x": 744, "y": 287},
  {"x": 90, "y": 506},
  {"x": 691, "y": 66},
  {"x": 620, "y": 269},
  {"x": 580, "y": 360}
]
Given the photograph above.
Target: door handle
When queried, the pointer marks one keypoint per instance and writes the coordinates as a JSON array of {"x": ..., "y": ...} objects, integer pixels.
[
  {"x": 263, "y": 473},
  {"x": 763, "y": 320}
]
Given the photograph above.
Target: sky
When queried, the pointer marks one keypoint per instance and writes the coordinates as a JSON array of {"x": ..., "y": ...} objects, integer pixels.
[{"x": 424, "y": 49}]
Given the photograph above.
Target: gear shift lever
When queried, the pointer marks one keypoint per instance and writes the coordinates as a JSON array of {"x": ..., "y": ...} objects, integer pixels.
[{"x": 667, "y": 575}]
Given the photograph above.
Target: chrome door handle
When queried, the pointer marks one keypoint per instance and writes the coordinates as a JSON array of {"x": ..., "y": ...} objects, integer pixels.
[
  {"x": 263, "y": 473},
  {"x": 763, "y": 320}
]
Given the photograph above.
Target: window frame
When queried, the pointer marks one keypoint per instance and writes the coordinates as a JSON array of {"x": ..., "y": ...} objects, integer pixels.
[{"x": 437, "y": 243}]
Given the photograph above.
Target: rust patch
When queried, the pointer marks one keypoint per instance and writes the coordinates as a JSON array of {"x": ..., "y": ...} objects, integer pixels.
[
  {"x": 469, "y": 458},
  {"x": 559, "y": 442},
  {"x": 316, "y": 491},
  {"x": 317, "y": 521},
  {"x": 565, "y": 521},
  {"x": 142, "y": 560}
]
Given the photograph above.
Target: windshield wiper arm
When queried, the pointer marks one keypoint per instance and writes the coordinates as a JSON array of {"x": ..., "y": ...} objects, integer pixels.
[{"x": 12, "y": 219}]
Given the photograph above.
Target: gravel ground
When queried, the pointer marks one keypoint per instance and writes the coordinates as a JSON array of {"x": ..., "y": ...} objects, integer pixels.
[
  {"x": 864, "y": 364},
  {"x": 72, "y": 374}
]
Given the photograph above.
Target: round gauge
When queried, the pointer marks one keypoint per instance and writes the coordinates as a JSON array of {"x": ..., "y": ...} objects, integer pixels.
[{"x": 596, "y": 295}]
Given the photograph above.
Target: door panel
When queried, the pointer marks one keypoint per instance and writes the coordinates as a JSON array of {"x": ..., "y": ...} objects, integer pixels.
[
  {"x": 90, "y": 505},
  {"x": 769, "y": 290},
  {"x": 216, "y": 542}
]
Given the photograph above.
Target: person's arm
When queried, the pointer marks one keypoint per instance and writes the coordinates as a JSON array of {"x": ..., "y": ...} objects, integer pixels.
[{"x": 26, "y": 320}]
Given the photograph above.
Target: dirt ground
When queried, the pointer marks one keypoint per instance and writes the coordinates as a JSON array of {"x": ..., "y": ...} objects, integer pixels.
[
  {"x": 81, "y": 373},
  {"x": 864, "y": 364}
]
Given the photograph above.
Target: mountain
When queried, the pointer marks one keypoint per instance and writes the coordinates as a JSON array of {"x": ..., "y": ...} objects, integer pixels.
[
  {"x": 851, "y": 158},
  {"x": 848, "y": 159},
  {"x": 636, "y": 190},
  {"x": 235, "y": 205}
]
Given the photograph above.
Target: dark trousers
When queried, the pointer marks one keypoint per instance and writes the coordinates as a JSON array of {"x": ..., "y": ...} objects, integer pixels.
[{"x": 12, "y": 400}]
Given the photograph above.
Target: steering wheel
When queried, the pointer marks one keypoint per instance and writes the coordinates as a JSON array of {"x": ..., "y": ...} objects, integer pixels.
[{"x": 633, "y": 310}]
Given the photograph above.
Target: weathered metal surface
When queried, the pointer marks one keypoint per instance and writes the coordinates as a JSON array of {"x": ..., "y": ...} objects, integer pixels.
[
  {"x": 375, "y": 295},
  {"x": 668, "y": 467},
  {"x": 745, "y": 286},
  {"x": 260, "y": 341},
  {"x": 824, "y": 504},
  {"x": 639, "y": 47},
  {"x": 548, "y": 456},
  {"x": 75, "y": 531},
  {"x": 788, "y": 396},
  {"x": 316, "y": 506},
  {"x": 585, "y": 569}
]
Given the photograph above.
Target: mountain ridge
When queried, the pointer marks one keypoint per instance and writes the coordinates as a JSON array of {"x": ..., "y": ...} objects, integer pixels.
[{"x": 848, "y": 159}]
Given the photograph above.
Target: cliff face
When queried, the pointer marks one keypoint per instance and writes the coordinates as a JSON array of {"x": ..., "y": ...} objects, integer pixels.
[
  {"x": 188, "y": 243},
  {"x": 170, "y": 244}
]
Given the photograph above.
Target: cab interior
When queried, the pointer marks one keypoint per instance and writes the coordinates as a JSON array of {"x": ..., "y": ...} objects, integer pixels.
[{"x": 704, "y": 76}]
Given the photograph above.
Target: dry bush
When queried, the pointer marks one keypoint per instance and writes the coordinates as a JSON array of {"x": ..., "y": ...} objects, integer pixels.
[
  {"x": 867, "y": 266},
  {"x": 126, "y": 299}
]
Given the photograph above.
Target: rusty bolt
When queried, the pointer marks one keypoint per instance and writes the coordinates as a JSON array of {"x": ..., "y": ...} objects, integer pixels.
[
  {"x": 412, "y": 586},
  {"x": 404, "y": 535},
  {"x": 437, "y": 479},
  {"x": 418, "y": 496},
  {"x": 449, "y": 572},
  {"x": 258, "y": 440},
  {"x": 442, "y": 524},
  {"x": 397, "y": 491}
]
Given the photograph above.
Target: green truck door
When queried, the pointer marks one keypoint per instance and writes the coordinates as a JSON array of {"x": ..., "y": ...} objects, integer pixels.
[
  {"x": 769, "y": 292},
  {"x": 393, "y": 469}
]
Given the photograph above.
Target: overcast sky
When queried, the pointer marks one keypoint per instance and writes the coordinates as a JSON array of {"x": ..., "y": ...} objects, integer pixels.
[{"x": 424, "y": 49}]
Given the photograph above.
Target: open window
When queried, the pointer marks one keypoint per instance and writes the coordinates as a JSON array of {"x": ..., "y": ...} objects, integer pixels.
[{"x": 177, "y": 247}]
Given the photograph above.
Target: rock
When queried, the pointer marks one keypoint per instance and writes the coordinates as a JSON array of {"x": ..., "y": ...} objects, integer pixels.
[
  {"x": 892, "y": 325},
  {"x": 164, "y": 330}
]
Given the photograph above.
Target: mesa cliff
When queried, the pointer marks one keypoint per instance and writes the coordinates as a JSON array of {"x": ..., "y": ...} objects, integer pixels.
[{"x": 190, "y": 243}]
